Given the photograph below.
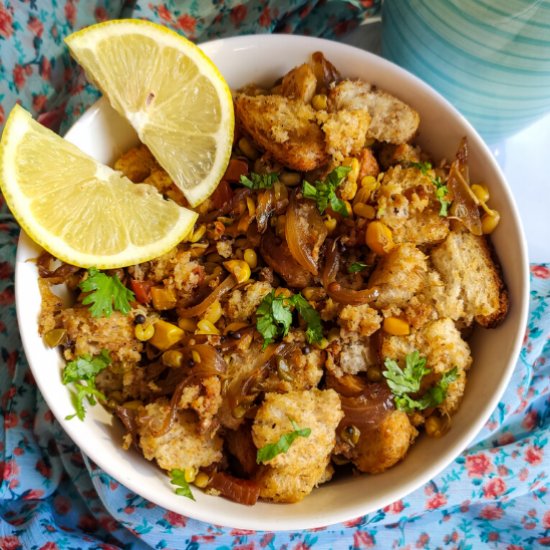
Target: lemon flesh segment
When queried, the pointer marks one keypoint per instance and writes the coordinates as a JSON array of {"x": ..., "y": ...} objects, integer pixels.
[
  {"x": 171, "y": 93},
  {"x": 79, "y": 210}
]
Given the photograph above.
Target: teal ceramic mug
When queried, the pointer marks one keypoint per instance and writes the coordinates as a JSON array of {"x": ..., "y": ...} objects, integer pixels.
[{"x": 490, "y": 58}]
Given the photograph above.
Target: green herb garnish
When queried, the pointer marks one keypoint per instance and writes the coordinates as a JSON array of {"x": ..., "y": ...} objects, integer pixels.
[
  {"x": 82, "y": 372},
  {"x": 324, "y": 192},
  {"x": 260, "y": 181},
  {"x": 357, "y": 267},
  {"x": 408, "y": 380},
  {"x": 441, "y": 190},
  {"x": 271, "y": 450},
  {"x": 177, "y": 477},
  {"x": 274, "y": 317},
  {"x": 105, "y": 293}
]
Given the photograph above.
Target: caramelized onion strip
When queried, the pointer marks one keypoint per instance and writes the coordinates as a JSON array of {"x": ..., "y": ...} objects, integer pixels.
[{"x": 225, "y": 286}]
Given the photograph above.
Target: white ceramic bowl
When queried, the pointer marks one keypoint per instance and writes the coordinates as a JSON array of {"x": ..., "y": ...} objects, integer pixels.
[{"x": 103, "y": 134}]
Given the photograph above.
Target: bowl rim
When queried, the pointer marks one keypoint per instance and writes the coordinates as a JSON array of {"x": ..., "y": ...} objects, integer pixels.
[{"x": 244, "y": 520}]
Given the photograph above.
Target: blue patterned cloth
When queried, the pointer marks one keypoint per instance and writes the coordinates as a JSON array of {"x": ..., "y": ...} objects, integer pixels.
[{"x": 52, "y": 497}]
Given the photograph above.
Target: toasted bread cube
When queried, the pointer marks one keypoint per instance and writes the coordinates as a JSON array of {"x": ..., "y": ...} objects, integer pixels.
[
  {"x": 472, "y": 277},
  {"x": 290, "y": 476}
]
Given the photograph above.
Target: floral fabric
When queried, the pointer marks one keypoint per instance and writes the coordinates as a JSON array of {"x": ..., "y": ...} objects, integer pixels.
[{"x": 52, "y": 497}]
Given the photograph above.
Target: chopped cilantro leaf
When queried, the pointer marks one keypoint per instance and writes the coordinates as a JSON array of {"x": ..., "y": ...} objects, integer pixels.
[
  {"x": 274, "y": 317},
  {"x": 260, "y": 181},
  {"x": 356, "y": 267},
  {"x": 84, "y": 369},
  {"x": 407, "y": 381},
  {"x": 441, "y": 190},
  {"x": 314, "y": 331},
  {"x": 271, "y": 450},
  {"x": 105, "y": 293},
  {"x": 324, "y": 192},
  {"x": 177, "y": 477}
]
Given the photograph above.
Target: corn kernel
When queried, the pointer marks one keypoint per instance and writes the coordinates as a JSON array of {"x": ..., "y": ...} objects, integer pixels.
[
  {"x": 330, "y": 224},
  {"x": 313, "y": 293},
  {"x": 198, "y": 233},
  {"x": 196, "y": 356},
  {"x": 187, "y": 324},
  {"x": 163, "y": 298},
  {"x": 282, "y": 291},
  {"x": 364, "y": 210},
  {"x": 379, "y": 238},
  {"x": 480, "y": 191},
  {"x": 190, "y": 474},
  {"x": 353, "y": 163},
  {"x": 144, "y": 332},
  {"x": 370, "y": 183},
  {"x": 165, "y": 335},
  {"x": 322, "y": 344},
  {"x": 290, "y": 178},
  {"x": 396, "y": 326},
  {"x": 489, "y": 222},
  {"x": 248, "y": 149},
  {"x": 214, "y": 312},
  {"x": 251, "y": 207},
  {"x": 319, "y": 102},
  {"x": 251, "y": 258},
  {"x": 363, "y": 195},
  {"x": 239, "y": 269},
  {"x": 54, "y": 337},
  {"x": 172, "y": 358},
  {"x": 202, "y": 480},
  {"x": 206, "y": 327}
]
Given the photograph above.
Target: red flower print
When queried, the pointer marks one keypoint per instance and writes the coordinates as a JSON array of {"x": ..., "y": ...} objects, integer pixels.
[
  {"x": 19, "y": 76},
  {"x": 87, "y": 522},
  {"x": 540, "y": 271},
  {"x": 502, "y": 470},
  {"x": 423, "y": 540},
  {"x": 478, "y": 465},
  {"x": 238, "y": 14},
  {"x": 39, "y": 102},
  {"x": 6, "y": 29},
  {"x": 514, "y": 547},
  {"x": 10, "y": 543},
  {"x": 530, "y": 421},
  {"x": 546, "y": 520},
  {"x": 10, "y": 469},
  {"x": 187, "y": 23},
  {"x": 10, "y": 420},
  {"x": 45, "y": 68},
  {"x": 163, "y": 13},
  {"x": 494, "y": 536},
  {"x": 35, "y": 26},
  {"x": 353, "y": 522},
  {"x": 250, "y": 546},
  {"x": 465, "y": 506},
  {"x": 129, "y": 510},
  {"x": 43, "y": 468},
  {"x": 32, "y": 494},
  {"x": 523, "y": 474},
  {"x": 438, "y": 500},
  {"x": 395, "y": 507},
  {"x": 533, "y": 455},
  {"x": 49, "y": 546},
  {"x": 265, "y": 17},
  {"x": 108, "y": 523},
  {"x": 506, "y": 438},
  {"x": 2, "y": 115},
  {"x": 176, "y": 520},
  {"x": 266, "y": 539},
  {"x": 61, "y": 504},
  {"x": 101, "y": 14},
  {"x": 18, "y": 451},
  {"x": 70, "y": 12},
  {"x": 491, "y": 512},
  {"x": 362, "y": 539},
  {"x": 494, "y": 488}
]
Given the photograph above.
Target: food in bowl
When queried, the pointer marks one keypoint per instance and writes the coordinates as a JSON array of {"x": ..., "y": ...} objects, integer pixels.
[{"x": 315, "y": 322}]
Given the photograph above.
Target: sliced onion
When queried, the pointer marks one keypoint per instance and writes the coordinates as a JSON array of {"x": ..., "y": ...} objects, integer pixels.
[
  {"x": 212, "y": 363},
  {"x": 369, "y": 409},
  {"x": 305, "y": 233},
  {"x": 465, "y": 206},
  {"x": 243, "y": 491},
  {"x": 225, "y": 286},
  {"x": 277, "y": 255},
  {"x": 264, "y": 208},
  {"x": 335, "y": 290}
]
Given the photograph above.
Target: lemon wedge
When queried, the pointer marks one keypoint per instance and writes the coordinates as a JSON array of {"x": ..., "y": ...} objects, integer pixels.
[
  {"x": 171, "y": 93},
  {"x": 79, "y": 210}
]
